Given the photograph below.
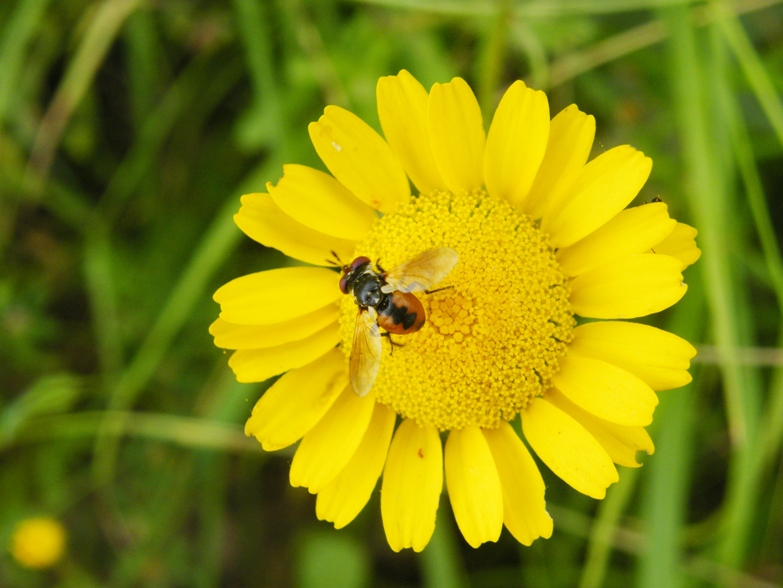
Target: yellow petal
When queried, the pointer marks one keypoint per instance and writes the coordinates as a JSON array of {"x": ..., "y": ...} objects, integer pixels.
[
  {"x": 620, "y": 442},
  {"x": 330, "y": 444},
  {"x": 402, "y": 108},
  {"x": 571, "y": 135},
  {"x": 516, "y": 143},
  {"x": 603, "y": 188},
  {"x": 412, "y": 483},
  {"x": 659, "y": 358},
  {"x": 263, "y": 221},
  {"x": 298, "y": 400},
  {"x": 606, "y": 391},
  {"x": 524, "y": 509},
  {"x": 456, "y": 135},
  {"x": 257, "y": 365},
  {"x": 634, "y": 286},
  {"x": 474, "y": 486},
  {"x": 231, "y": 336},
  {"x": 634, "y": 230},
  {"x": 360, "y": 159},
  {"x": 567, "y": 448},
  {"x": 680, "y": 244},
  {"x": 318, "y": 201},
  {"x": 277, "y": 295},
  {"x": 345, "y": 495}
]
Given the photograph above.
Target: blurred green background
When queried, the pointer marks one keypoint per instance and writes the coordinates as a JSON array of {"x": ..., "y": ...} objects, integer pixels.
[{"x": 128, "y": 131}]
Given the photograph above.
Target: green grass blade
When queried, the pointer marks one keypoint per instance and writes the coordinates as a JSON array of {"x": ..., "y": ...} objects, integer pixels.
[
  {"x": 99, "y": 37},
  {"x": 16, "y": 35},
  {"x": 49, "y": 394},
  {"x": 772, "y": 420},
  {"x": 751, "y": 65},
  {"x": 141, "y": 159},
  {"x": 190, "y": 432},
  {"x": 490, "y": 64},
  {"x": 615, "y": 47},
  {"x": 217, "y": 243},
  {"x": 667, "y": 475},
  {"x": 710, "y": 208},
  {"x": 754, "y": 193},
  {"x": 99, "y": 281},
  {"x": 332, "y": 560},
  {"x": 530, "y": 9},
  {"x": 441, "y": 564},
  {"x": 742, "y": 500},
  {"x": 262, "y": 123},
  {"x": 143, "y": 50},
  {"x": 599, "y": 546},
  {"x": 666, "y": 492}
]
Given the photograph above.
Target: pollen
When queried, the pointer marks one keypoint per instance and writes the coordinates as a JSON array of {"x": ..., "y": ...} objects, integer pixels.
[{"x": 497, "y": 325}]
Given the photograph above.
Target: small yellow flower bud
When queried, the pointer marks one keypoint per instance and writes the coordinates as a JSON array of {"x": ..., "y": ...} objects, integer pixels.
[{"x": 38, "y": 542}]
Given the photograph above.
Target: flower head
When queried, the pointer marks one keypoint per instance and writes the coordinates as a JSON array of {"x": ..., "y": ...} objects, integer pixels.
[
  {"x": 38, "y": 542},
  {"x": 543, "y": 236}
]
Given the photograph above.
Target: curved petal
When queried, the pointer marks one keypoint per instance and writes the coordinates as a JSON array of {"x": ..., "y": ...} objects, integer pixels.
[
  {"x": 568, "y": 449},
  {"x": 360, "y": 159},
  {"x": 524, "y": 508},
  {"x": 316, "y": 200},
  {"x": 603, "y": 188},
  {"x": 277, "y": 295},
  {"x": 516, "y": 143},
  {"x": 606, "y": 391},
  {"x": 620, "y": 442},
  {"x": 633, "y": 230},
  {"x": 263, "y": 221},
  {"x": 330, "y": 444},
  {"x": 412, "y": 483},
  {"x": 257, "y": 365},
  {"x": 680, "y": 244},
  {"x": 298, "y": 400},
  {"x": 634, "y": 286},
  {"x": 402, "y": 108},
  {"x": 231, "y": 336},
  {"x": 659, "y": 358},
  {"x": 456, "y": 135},
  {"x": 571, "y": 135},
  {"x": 474, "y": 486},
  {"x": 345, "y": 495}
]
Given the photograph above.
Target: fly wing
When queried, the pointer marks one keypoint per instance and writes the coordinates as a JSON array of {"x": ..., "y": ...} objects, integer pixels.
[
  {"x": 366, "y": 352},
  {"x": 421, "y": 272}
]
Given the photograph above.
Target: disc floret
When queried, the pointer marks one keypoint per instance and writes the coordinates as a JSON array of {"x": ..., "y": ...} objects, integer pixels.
[{"x": 494, "y": 336}]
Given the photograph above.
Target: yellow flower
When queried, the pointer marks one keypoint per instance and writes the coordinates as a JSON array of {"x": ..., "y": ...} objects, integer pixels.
[
  {"x": 38, "y": 542},
  {"x": 541, "y": 234}
]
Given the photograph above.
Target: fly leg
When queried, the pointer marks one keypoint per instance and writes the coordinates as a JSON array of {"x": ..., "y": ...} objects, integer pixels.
[
  {"x": 392, "y": 342},
  {"x": 437, "y": 290}
]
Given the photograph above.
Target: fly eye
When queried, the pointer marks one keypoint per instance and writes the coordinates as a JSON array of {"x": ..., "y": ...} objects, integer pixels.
[
  {"x": 344, "y": 284},
  {"x": 359, "y": 261}
]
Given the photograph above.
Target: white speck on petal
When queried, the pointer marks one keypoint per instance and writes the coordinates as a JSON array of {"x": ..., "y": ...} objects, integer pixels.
[{"x": 336, "y": 146}]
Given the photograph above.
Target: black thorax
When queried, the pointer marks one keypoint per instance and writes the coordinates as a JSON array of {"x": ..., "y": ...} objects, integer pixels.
[{"x": 367, "y": 290}]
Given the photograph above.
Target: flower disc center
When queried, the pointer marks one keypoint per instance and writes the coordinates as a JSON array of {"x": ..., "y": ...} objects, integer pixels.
[{"x": 493, "y": 339}]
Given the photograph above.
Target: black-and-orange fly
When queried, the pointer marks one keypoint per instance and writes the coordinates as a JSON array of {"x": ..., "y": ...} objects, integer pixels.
[{"x": 386, "y": 301}]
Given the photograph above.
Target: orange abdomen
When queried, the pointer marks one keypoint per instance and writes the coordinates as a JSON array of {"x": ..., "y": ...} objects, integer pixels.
[{"x": 401, "y": 314}]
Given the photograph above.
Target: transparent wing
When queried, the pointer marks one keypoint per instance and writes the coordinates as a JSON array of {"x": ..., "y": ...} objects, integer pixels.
[
  {"x": 366, "y": 352},
  {"x": 421, "y": 272}
]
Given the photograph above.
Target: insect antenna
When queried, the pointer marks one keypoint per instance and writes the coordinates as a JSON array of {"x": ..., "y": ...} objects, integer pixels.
[{"x": 337, "y": 262}]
